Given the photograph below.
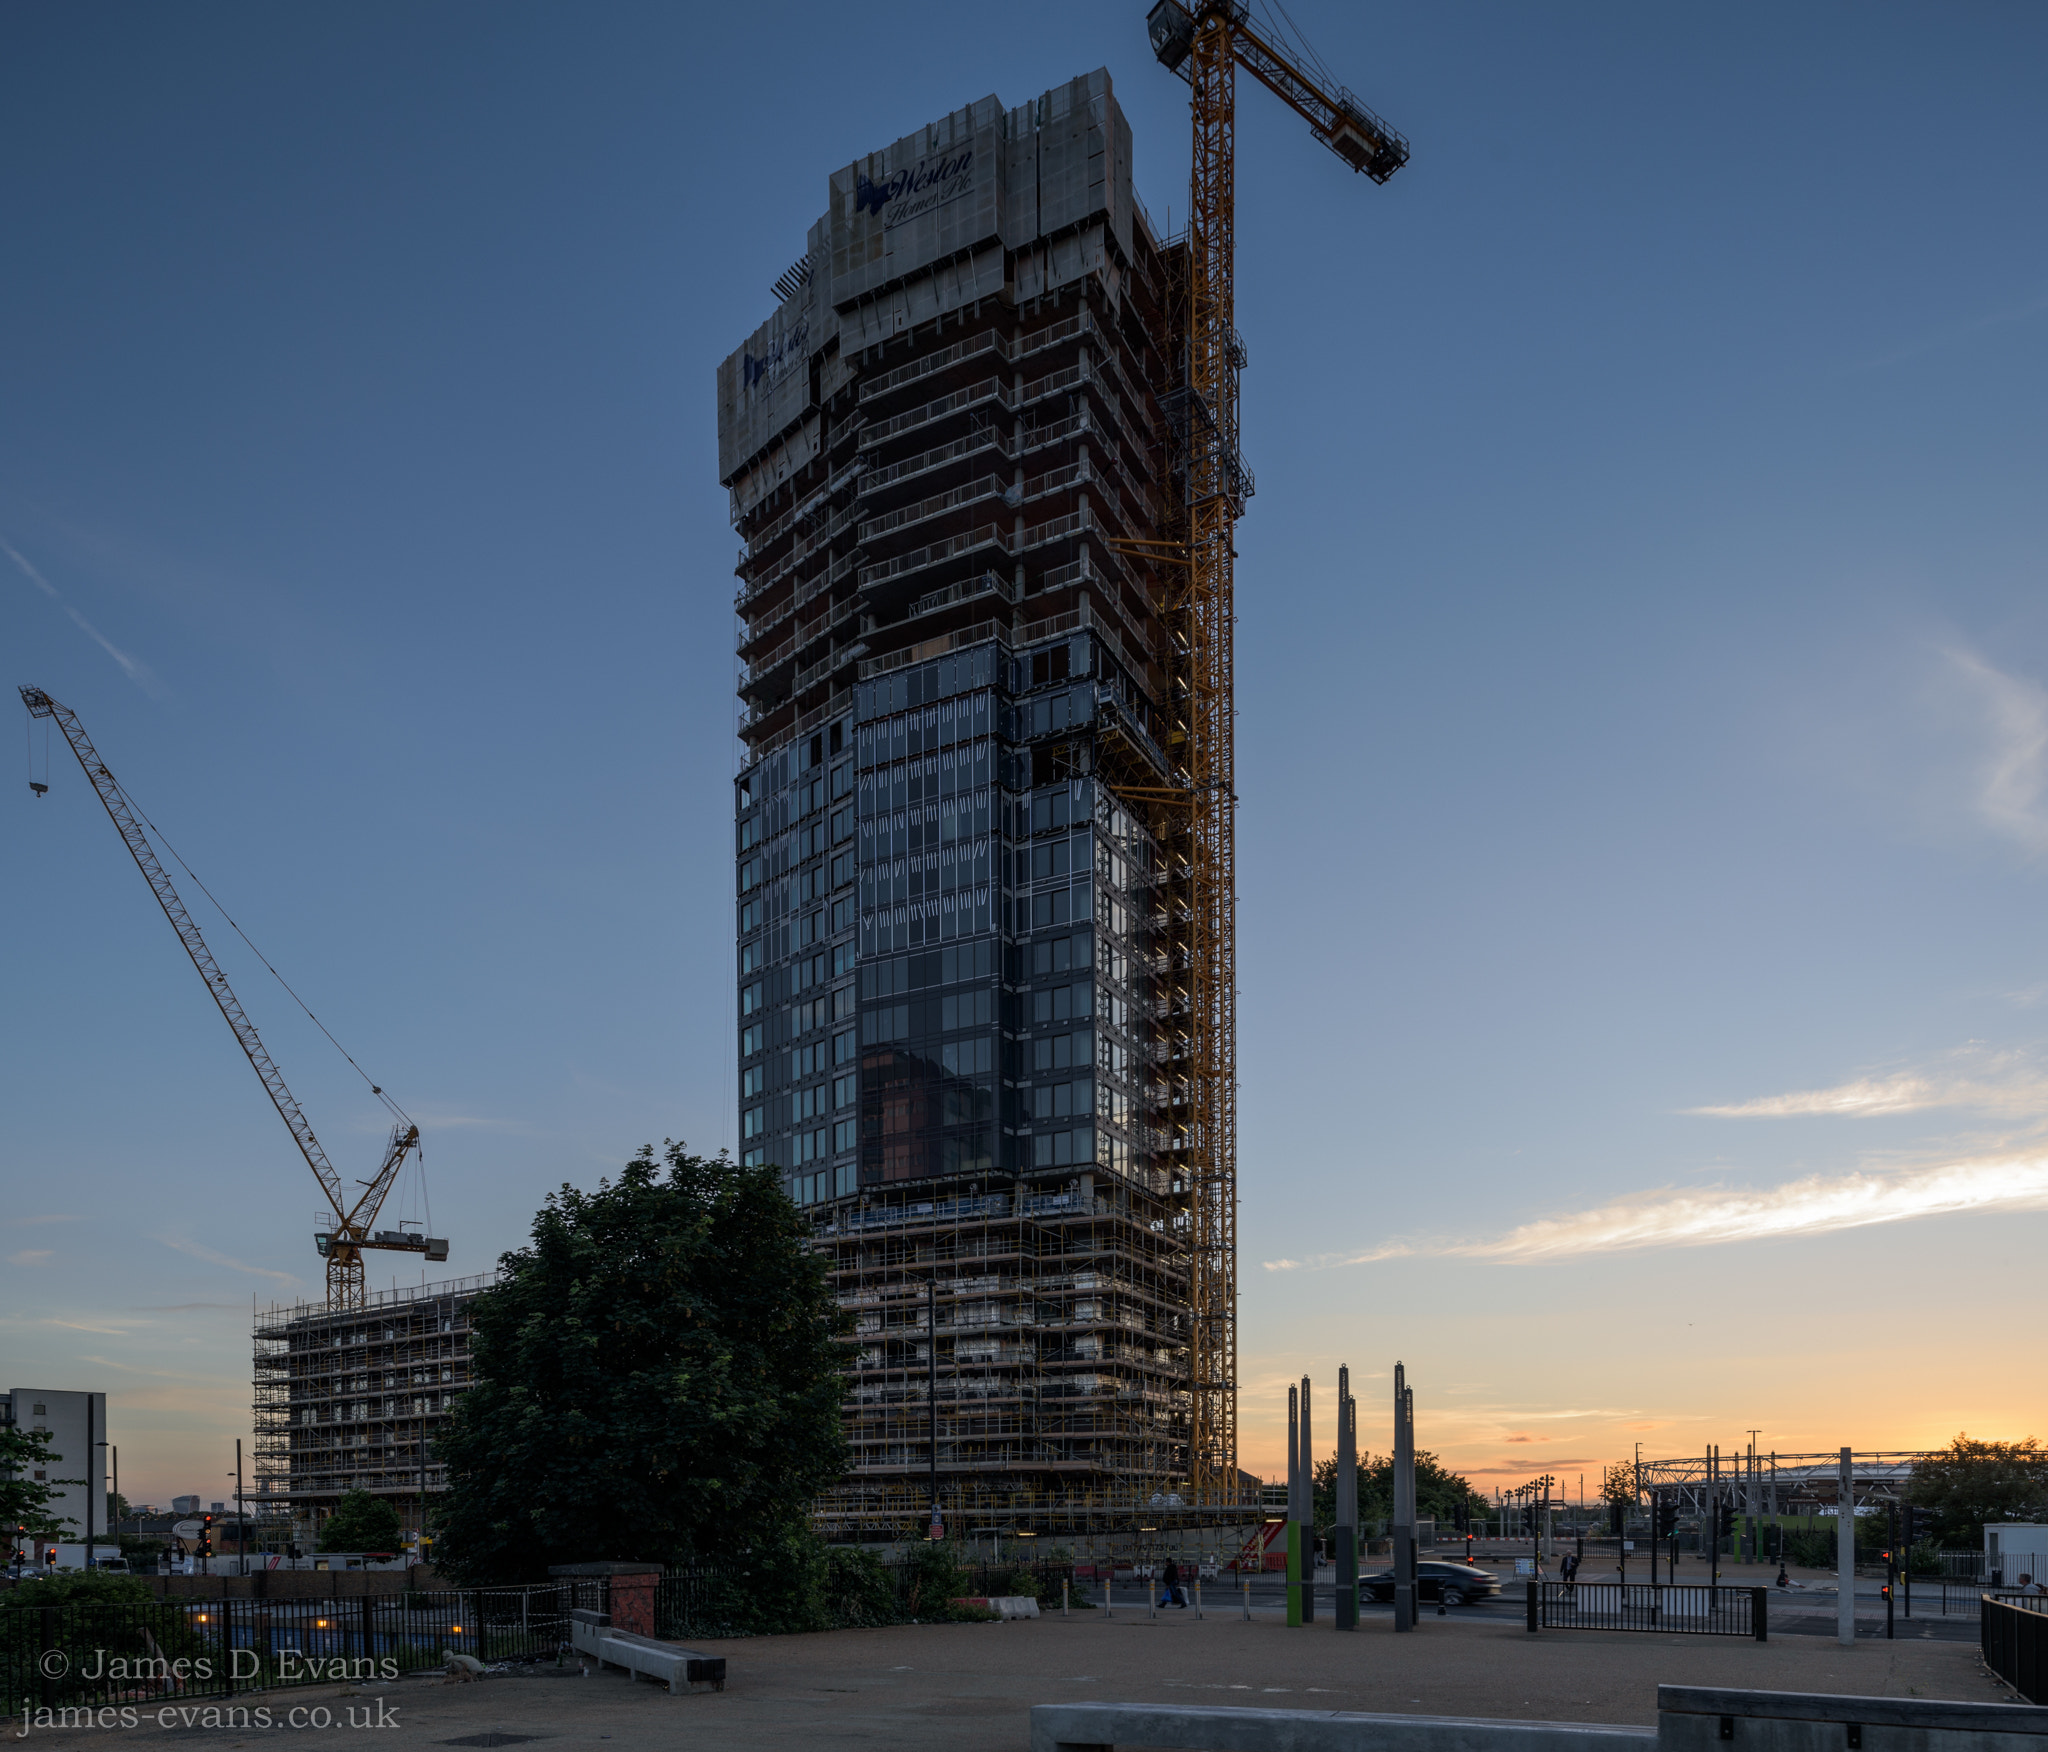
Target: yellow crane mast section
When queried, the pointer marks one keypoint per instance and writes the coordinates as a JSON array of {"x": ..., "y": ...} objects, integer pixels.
[{"x": 1206, "y": 45}]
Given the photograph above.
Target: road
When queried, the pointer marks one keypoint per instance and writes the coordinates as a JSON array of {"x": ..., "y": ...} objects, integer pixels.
[{"x": 1805, "y": 1609}]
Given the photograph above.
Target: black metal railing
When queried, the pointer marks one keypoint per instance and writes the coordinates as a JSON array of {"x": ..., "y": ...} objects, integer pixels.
[
  {"x": 1949, "y": 1599},
  {"x": 93, "y": 1654},
  {"x": 1689, "y": 1610},
  {"x": 703, "y": 1602},
  {"x": 692, "y": 1603},
  {"x": 2014, "y": 1636}
]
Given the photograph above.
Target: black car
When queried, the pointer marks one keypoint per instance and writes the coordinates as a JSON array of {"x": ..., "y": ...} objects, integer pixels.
[{"x": 1451, "y": 1583}]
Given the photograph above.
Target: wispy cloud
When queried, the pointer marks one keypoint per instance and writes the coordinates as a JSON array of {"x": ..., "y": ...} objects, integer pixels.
[
  {"x": 2010, "y": 1081},
  {"x": 156, "y": 1374},
  {"x": 30, "y": 1256},
  {"x": 182, "y": 1245},
  {"x": 135, "y": 671},
  {"x": 1954, "y": 332},
  {"x": 2012, "y": 776},
  {"x": 38, "y": 1222},
  {"x": 1816, "y": 1205},
  {"x": 1708, "y": 1216},
  {"x": 430, "y": 1120}
]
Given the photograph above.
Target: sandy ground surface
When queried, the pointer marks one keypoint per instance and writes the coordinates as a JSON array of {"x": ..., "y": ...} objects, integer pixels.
[{"x": 972, "y": 1686}]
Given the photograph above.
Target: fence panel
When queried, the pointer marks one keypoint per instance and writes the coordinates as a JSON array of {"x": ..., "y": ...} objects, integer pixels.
[
  {"x": 96, "y": 1654},
  {"x": 1648, "y": 1606},
  {"x": 2014, "y": 1638},
  {"x": 688, "y": 1604}
]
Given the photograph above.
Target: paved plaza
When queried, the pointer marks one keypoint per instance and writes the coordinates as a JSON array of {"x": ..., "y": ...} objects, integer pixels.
[{"x": 971, "y": 1686}]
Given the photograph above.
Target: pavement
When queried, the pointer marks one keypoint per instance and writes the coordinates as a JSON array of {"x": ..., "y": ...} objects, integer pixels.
[{"x": 919, "y": 1687}]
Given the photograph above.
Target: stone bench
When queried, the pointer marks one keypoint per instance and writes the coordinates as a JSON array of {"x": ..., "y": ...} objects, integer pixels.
[
  {"x": 1096, "y": 1727},
  {"x": 1002, "y": 1605},
  {"x": 645, "y": 1657},
  {"x": 1689, "y": 1719},
  {"x": 1705, "y": 1718}
]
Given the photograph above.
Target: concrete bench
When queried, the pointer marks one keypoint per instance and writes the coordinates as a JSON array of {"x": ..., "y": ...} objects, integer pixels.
[
  {"x": 645, "y": 1657},
  {"x": 1096, "y": 1727},
  {"x": 1002, "y": 1605},
  {"x": 1705, "y": 1718},
  {"x": 1689, "y": 1719}
]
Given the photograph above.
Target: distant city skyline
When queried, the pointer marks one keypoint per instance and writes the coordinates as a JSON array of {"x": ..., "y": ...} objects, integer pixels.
[{"x": 1642, "y": 670}]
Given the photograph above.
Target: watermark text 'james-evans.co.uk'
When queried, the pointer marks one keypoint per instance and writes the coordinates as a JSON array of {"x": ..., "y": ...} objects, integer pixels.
[{"x": 217, "y": 1717}]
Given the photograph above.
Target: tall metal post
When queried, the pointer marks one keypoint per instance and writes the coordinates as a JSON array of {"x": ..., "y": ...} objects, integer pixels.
[
  {"x": 1714, "y": 1514},
  {"x": 1845, "y": 1551},
  {"x": 931, "y": 1383},
  {"x": 1308, "y": 1511},
  {"x": 92, "y": 1486},
  {"x": 1346, "y": 1531},
  {"x": 1294, "y": 1505},
  {"x": 1404, "y": 1501}
]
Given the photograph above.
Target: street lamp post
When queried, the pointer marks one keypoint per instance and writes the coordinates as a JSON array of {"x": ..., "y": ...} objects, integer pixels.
[{"x": 931, "y": 1392}]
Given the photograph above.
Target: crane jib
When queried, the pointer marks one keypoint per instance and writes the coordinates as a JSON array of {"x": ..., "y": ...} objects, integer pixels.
[{"x": 342, "y": 1245}]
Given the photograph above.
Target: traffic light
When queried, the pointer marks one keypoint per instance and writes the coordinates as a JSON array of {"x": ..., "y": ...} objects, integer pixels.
[
  {"x": 1907, "y": 1536},
  {"x": 1667, "y": 1517},
  {"x": 206, "y": 1537}
]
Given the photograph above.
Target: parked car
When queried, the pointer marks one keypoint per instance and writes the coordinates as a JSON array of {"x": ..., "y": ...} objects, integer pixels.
[{"x": 1451, "y": 1583}]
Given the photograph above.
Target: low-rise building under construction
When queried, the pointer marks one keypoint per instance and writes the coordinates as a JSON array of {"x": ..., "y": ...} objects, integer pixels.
[{"x": 353, "y": 1398}]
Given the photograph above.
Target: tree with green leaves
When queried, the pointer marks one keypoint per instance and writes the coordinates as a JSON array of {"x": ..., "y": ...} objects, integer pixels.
[
  {"x": 656, "y": 1381},
  {"x": 362, "y": 1522},
  {"x": 1440, "y": 1493},
  {"x": 1619, "y": 1490},
  {"x": 24, "y": 1498},
  {"x": 1971, "y": 1482}
]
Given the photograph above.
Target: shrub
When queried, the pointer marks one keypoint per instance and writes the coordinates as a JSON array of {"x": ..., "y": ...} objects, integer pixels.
[
  {"x": 1810, "y": 1547},
  {"x": 858, "y": 1591},
  {"x": 933, "y": 1580}
]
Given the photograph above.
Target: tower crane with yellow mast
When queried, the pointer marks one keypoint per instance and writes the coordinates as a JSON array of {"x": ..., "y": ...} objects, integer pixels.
[
  {"x": 1205, "y": 43},
  {"x": 343, "y": 1241}
]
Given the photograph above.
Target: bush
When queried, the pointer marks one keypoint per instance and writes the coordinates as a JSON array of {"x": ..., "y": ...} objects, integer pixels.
[
  {"x": 1042, "y": 1586},
  {"x": 77, "y": 1587},
  {"x": 1809, "y": 1547},
  {"x": 933, "y": 1580},
  {"x": 114, "y": 1613},
  {"x": 858, "y": 1592},
  {"x": 361, "y": 1522}
]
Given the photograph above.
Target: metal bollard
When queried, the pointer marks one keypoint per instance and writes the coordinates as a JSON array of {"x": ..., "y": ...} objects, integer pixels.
[
  {"x": 1198, "y": 1596},
  {"x": 1109, "y": 1592},
  {"x": 1247, "y": 1599},
  {"x": 1063, "y": 1597},
  {"x": 1151, "y": 1598}
]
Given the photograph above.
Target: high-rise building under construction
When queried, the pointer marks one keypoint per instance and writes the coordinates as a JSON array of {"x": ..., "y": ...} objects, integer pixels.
[{"x": 962, "y": 989}]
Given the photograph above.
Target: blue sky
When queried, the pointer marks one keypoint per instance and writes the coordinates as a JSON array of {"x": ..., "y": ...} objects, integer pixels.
[{"x": 1643, "y": 670}]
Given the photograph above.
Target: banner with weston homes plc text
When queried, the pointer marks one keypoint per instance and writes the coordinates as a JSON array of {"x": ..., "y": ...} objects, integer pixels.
[{"x": 916, "y": 189}]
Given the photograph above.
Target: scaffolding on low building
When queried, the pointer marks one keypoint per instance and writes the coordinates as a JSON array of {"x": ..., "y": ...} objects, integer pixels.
[{"x": 352, "y": 1398}]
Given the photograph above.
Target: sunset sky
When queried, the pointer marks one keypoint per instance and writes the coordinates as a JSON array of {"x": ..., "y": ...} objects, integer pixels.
[{"x": 1642, "y": 666}]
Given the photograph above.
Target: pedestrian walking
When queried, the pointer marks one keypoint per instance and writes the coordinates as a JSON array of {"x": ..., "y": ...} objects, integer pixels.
[{"x": 1171, "y": 1582}]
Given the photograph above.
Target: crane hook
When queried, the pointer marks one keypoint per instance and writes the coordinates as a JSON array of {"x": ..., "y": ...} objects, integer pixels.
[{"x": 41, "y": 790}]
